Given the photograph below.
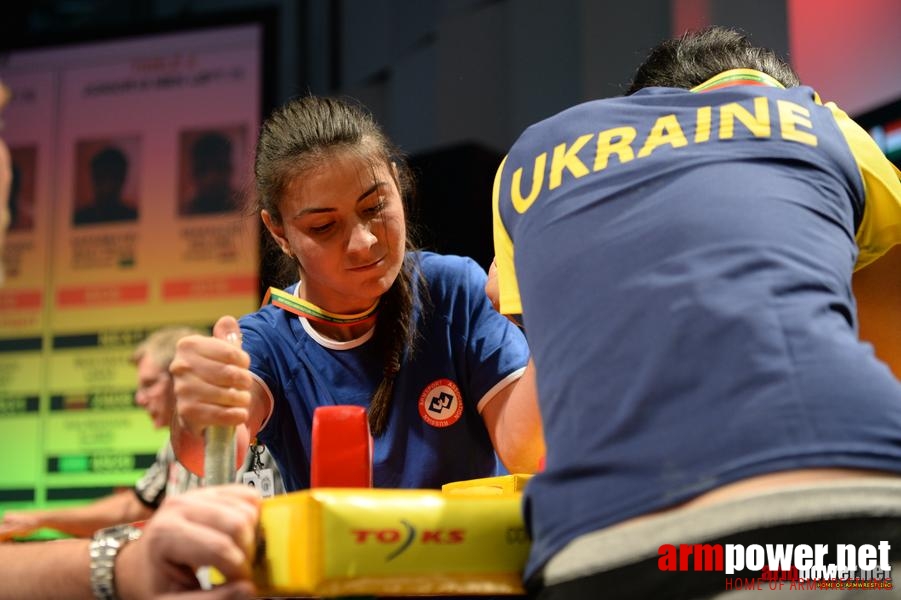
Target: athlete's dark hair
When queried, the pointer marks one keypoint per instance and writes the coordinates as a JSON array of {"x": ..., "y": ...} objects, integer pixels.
[
  {"x": 695, "y": 57},
  {"x": 301, "y": 135}
]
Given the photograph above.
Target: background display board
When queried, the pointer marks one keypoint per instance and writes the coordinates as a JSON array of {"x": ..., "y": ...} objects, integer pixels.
[{"x": 132, "y": 163}]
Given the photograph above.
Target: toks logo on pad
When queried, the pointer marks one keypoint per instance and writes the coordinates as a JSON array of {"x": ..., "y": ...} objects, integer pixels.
[{"x": 406, "y": 536}]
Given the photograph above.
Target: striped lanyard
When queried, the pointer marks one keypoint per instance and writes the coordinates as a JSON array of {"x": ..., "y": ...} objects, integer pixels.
[
  {"x": 308, "y": 310},
  {"x": 737, "y": 77}
]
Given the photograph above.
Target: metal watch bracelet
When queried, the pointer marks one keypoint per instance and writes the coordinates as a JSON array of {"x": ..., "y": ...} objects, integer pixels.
[{"x": 104, "y": 548}]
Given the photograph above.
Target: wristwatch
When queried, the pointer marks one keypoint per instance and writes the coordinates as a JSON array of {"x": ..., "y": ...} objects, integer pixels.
[{"x": 104, "y": 548}]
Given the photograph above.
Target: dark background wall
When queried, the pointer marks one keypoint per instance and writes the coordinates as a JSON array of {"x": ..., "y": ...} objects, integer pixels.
[{"x": 455, "y": 81}]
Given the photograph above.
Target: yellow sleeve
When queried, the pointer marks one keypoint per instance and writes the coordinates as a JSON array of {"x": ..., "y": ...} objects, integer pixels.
[
  {"x": 503, "y": 254},
  {"x": 880, "y": 228}
]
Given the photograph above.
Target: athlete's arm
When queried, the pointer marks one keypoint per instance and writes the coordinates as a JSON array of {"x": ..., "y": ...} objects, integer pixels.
[
  {"x": 82, "y": 521},
  {"x": 214, "y": 386},
  {"x": 514, "y": 424}
]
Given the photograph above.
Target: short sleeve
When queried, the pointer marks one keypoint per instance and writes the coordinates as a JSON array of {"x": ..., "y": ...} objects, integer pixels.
[
  {"x": 510, "y": 303},
  {"x": 151, "y": 488},
  {"x": 880, "y": 228},
  {"x": 496, "y": 349}
]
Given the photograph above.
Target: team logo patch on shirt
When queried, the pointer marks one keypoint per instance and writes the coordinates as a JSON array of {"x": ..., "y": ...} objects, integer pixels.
[{"x": 441, "y": 404}]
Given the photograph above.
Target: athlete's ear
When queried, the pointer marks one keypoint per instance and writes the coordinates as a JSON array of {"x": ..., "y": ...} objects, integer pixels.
[{"x": 276, "y": 230}]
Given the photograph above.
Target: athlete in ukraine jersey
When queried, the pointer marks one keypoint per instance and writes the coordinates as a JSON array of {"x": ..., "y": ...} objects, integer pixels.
[
  {"x": 682, "y": 261},
  {"x": 435, "y": 434}
]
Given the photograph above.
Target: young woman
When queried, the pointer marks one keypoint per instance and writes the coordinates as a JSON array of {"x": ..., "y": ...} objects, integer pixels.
[{"x": 409, "y": 335}]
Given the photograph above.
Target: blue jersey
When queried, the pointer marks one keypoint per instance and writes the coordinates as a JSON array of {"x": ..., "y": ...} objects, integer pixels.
[
  {"x": 435, "y": 434},
  {"x": 683, "y": 263}
]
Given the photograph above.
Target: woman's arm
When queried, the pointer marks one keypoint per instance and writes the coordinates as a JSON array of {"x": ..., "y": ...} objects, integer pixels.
[
  {"x": 514, "y": 424},
  {"x": 213, "y": 386}
]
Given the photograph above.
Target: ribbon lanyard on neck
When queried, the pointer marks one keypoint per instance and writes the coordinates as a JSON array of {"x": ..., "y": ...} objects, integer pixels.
[
  {"x": 302, "y": 308},
  {"x": 737, "y": 77}
]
